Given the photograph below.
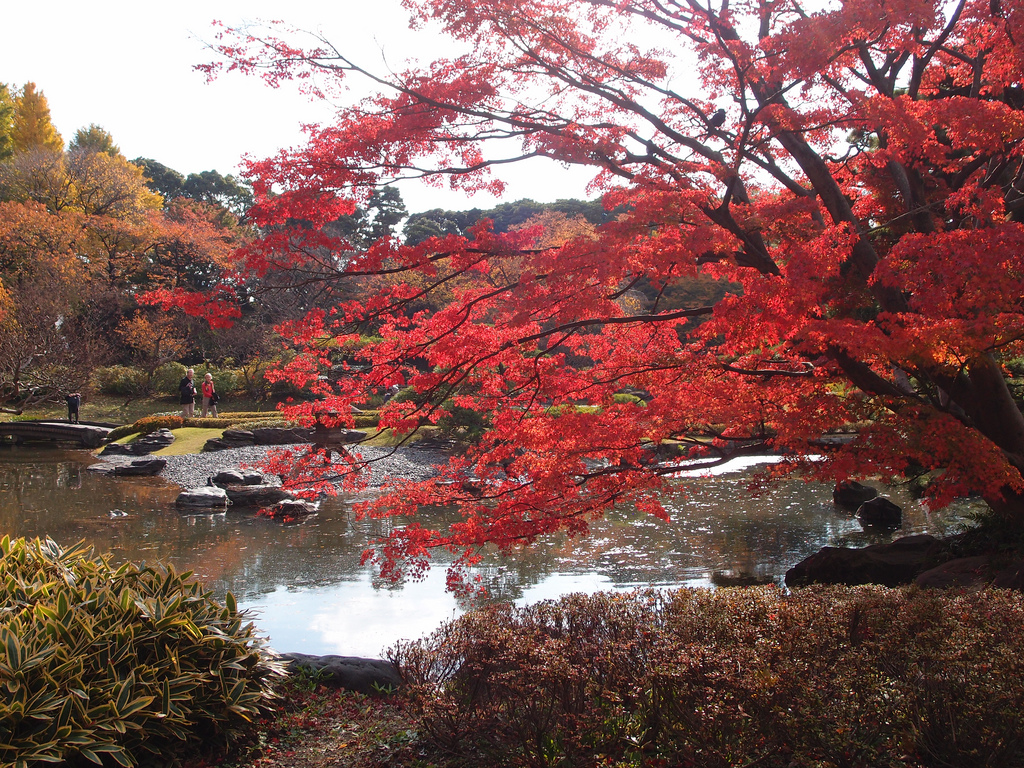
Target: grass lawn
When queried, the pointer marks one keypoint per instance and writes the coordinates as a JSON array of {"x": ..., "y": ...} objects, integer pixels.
[{"x": 188, "y": 440}]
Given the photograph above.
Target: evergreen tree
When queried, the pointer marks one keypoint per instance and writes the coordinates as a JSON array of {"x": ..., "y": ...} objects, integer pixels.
[{"x": 95, "y": 139}]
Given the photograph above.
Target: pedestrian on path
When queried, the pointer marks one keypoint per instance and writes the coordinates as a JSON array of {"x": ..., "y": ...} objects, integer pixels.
[{"x": 187, "y": 390}]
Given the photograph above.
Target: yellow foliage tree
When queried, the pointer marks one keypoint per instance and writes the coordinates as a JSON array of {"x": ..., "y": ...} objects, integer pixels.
[{"x": 32, "y": 127}]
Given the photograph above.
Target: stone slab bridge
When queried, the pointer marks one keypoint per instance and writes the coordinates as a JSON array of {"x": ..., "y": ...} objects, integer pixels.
[{"x": 86, "y": 435}]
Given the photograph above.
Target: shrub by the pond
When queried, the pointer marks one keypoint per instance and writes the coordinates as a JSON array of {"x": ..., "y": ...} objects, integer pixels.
[
  {"x": 120, "y": 380},
  {"x": 146, "y": 425},
  {"x": 842, "y": 677},
  {"x": 126, "y": 664}
]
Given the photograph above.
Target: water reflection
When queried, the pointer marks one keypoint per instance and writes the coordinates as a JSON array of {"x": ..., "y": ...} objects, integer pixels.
[{"x": 312, "y": 594}]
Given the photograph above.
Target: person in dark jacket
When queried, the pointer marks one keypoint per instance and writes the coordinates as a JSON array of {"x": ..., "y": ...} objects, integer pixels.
[
  {"x": 187, "y": 390},
  {"x": 74, "y": 401}
]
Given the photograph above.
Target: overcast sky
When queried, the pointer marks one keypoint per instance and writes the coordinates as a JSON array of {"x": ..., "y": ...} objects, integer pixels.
[{"x": 128, "y": 66}]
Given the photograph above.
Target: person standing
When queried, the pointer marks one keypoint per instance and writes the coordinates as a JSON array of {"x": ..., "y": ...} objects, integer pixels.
[
  {"x": 187, "y": 390},
  {"x": 210, "y": 396},
  {"x": 74, "y": 400}
]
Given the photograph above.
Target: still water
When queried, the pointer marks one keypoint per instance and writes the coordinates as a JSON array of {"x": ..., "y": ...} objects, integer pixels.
[{"x": 308, "y": 591}]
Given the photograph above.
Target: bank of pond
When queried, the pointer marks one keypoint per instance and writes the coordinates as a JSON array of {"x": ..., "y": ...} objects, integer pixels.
[
  {"x": 136, "y": 665},
  {"x": 311, "y": 593}
]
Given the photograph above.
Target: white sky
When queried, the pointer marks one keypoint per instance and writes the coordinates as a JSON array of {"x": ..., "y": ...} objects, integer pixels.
[{"x": 127, "y": 66}]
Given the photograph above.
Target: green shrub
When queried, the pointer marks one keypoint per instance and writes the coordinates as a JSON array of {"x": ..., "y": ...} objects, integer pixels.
[
  {"x": 465, "y": 424},
  {"x": 120, "y": 380},
  {"x": 123, "y": 431},
  {"x": 125, "y": 664},
  {"x": 238, "y": 416},
  {"x": 625, "y": 397},
  {"x": 263, "y": 424},
  {"x": 833, "y": 676},
  {"x": 167, "y": 377},
  {"x": 242, "y": 420},
  {"x": 148, "y": 424},
  {"x": 366, "y": 419}
]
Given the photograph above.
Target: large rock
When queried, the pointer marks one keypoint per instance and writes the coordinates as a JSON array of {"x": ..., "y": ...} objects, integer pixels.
[
  {"x": 880, "y": 512},
  {"x": 141, "y": 446},
  {"x": 206, "y": 497},
  {"x": 228, "y": 477},
  {"x": 851, "y": 494},
  {"x": 236, "y": 476},
  {"x": 232, "y": 438},
  {"x": 1010, "y": 577},
  {"x": 291, "y": 509},
  {"x": 974, "y": 572},
  {"x": 890, "y": 564},
  {"x": 349, "y": 672},
  {"x": 256, "y": 495},
  {"x": 961, "y": 572},
  {"x": 141, "y": 468}
]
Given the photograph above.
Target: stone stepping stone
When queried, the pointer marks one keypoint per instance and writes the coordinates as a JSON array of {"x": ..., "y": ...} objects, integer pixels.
[
  {"x": 141, "y": 468},
  {"x": 290, "y": 509},
  {"x": 256, "y": 495},
  {"x": 141, "y": 446},
  {"x": 236, "y": 476},
  {"x": 206, "y": 497}
]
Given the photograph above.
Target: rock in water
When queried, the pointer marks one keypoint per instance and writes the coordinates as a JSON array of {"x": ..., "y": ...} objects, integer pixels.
[
  {"x": 206, "y": 497},
  {"x": 141, "y": 468},
  {"x": 852, "y": 494},
  {"x": 228, "y": 477},
  {"x": 888, "y": 564},
  {"x": 880, "y": 512},
  {"x": 257, "y": 495},
  {"x": 290, "y": 509}
]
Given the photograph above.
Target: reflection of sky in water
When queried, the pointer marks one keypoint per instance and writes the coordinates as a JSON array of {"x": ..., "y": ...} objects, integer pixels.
[{"x": 311, "y": 593}]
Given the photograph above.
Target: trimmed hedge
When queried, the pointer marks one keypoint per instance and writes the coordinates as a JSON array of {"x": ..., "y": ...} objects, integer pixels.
[
  {"x": 149, "y": 424},
  {"x": 837, "y": 676},
  {"x": 125, "y": 664}
]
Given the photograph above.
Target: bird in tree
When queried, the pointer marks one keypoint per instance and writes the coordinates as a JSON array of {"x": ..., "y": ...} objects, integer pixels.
[{"x": 858, "y": 206}]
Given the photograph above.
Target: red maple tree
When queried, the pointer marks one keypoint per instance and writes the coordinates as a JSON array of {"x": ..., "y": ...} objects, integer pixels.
[{"x": 851, "y": 177}]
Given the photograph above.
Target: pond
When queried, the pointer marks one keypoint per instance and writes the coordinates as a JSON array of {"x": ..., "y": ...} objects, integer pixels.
[{"x": 309, "y": 592}]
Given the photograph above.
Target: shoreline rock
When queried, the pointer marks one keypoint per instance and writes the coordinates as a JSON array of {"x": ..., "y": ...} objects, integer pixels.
[{"x": 352, "y": 673}]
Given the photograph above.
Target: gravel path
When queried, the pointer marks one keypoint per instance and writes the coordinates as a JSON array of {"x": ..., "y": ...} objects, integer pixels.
[{"x": 194, "y": 470}]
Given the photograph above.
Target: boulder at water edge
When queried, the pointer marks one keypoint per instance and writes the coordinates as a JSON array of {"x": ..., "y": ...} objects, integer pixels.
[
  {"x": 349, "y": 672},
  {"x": 206, "y": 497},
  {"x": 291, "y": 509},
  {"x": 890, "y": 564},
  {"x": 257, "y": 495},
  {"x": 880, "y": 512},
  {"x": 141, "y": 446},
  {"x": 236, "y": 476},
  {"x": 141, "y": 468}
]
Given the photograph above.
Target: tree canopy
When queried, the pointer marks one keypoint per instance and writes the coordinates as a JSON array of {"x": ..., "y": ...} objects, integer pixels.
[
  {"x": 849, "y": 177},
  {"x": 32, "y": 127}
]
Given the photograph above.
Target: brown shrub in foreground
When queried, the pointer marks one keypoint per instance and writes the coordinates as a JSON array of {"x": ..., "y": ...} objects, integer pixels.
[{"x": 837, "y": 676}]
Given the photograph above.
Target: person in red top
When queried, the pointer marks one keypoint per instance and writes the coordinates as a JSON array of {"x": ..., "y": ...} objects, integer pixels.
[{"x": 210, "y": 397}]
